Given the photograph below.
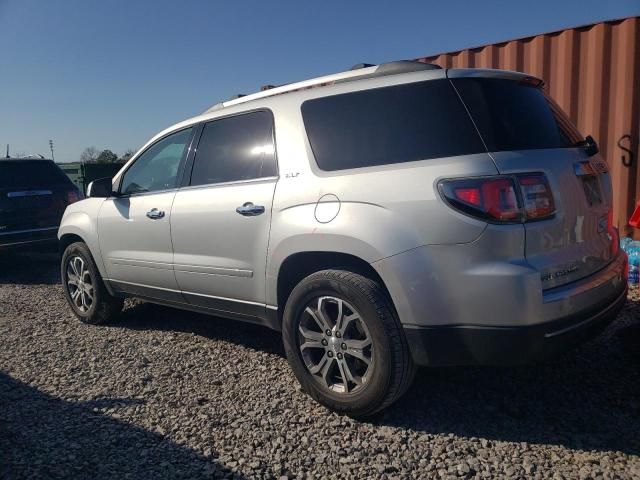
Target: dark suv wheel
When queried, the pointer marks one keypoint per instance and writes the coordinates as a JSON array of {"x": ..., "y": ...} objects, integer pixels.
[
  {"x": 83, "y": 286},
  {"x": 345, "y": 344}
]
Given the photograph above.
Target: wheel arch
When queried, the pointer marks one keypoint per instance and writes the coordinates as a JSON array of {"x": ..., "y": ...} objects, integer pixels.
[
  {"x": 78, "y": 226},
  {"x": 67, "y": 239},
  {"x": 299, "y": 265}
]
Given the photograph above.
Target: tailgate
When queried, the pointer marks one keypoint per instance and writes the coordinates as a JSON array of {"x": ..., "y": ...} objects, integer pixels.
[
  {"x": 28, "y": 208},
  {"x": 575, "y": 242},
  {"x": 526, "y": 131},
  {"x": 33, "y": 194}
]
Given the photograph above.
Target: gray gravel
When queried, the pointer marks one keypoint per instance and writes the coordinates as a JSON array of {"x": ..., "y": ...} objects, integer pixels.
[{"x": 163, "y": 393}]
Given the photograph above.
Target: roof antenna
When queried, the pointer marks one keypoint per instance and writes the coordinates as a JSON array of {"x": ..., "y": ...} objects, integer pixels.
[{"x": 8, "y": 156}]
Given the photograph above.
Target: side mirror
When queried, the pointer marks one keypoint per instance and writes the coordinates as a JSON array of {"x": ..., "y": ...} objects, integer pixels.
[
  {"x": 100, "y": 188},
  {"x": 591, "y": 146}
]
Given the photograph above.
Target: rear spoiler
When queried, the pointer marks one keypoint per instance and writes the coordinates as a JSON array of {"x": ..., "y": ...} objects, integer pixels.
[{"x": 491, "y": 73}]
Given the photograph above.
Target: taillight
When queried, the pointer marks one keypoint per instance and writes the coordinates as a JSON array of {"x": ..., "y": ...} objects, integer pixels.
[
  {"x": 501, "y": 199},
  {"x": 634, "y": 221},
  {"x": 536, "y": 196},
  {"x": 493, "y": 199},
  {"x": 72, "y": 196}
]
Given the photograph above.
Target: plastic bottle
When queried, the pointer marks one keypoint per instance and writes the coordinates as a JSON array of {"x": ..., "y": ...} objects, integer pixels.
[
  {"x": 625, "y": 243},
  {"x": 634, "y": 264}
]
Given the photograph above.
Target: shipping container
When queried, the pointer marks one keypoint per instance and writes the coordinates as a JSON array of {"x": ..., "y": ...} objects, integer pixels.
[{"x": 593, "y": 72}]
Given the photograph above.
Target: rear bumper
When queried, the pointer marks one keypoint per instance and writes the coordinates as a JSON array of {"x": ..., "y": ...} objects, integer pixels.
[
  {"x": 481, "y": 303},
  {"x": 509, "y": 345},
  {"x": 28, "y": 237}
]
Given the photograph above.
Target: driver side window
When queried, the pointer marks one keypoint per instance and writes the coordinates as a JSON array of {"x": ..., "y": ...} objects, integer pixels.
[{"x": 157, "y": 168}]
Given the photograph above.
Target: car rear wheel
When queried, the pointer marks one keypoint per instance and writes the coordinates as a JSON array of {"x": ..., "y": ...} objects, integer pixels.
[
  {"x": 84, "y": 288},
  {"x": 345, "y": 343}
]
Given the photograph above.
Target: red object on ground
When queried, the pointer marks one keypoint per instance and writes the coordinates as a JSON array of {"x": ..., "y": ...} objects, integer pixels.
[{"x": 634, "y": 221}]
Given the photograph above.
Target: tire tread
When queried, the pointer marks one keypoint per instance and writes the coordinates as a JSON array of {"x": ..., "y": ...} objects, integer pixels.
[
  {"x": 404, "y": 368},
  {"x": 107, "y": 306}
]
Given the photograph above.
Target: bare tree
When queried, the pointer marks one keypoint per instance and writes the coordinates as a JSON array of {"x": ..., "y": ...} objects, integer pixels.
[{"x": 89, "y": 155}]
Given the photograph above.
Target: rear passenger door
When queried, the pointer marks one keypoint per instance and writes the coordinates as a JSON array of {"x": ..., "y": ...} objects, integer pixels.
[{"x": 220, "y": 218}]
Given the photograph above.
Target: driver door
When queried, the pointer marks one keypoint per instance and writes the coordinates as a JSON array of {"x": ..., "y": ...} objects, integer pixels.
[{"x": 133, "y": 227}]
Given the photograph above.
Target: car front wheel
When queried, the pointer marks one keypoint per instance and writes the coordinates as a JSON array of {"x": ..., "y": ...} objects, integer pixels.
[{"x": 83, "y": 287}]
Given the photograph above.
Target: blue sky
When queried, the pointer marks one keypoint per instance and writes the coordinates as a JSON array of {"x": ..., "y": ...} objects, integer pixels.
[{"x": 111, "y": 73}]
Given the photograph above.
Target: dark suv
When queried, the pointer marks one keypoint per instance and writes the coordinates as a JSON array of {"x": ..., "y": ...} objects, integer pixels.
[{"x": 33, "y": 196}]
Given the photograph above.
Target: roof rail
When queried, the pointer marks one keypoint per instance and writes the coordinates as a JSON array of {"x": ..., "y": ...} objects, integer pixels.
[
  {"x": 358, "y": 66},
  {"x": 357, "y": 72},
  {"x": 395, "y": 68}
]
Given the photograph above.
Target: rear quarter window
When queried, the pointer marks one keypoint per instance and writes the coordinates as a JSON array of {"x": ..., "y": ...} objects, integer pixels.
[{"x": 389, "y": 125}]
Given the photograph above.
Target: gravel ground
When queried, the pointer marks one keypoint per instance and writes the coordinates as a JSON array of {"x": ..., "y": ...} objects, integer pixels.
[{"x": 168, "y": 394}]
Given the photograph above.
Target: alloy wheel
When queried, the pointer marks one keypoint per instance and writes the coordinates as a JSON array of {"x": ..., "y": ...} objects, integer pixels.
[
  {"x": 79, "y": 283},
  {"x": 335, "y": 344}
]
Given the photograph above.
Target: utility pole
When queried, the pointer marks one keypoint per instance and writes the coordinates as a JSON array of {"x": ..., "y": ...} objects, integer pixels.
[{"x": 51, "y": 147}]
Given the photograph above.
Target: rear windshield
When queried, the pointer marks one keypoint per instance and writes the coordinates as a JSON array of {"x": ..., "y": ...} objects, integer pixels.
[
  {"x": 31, "y": 173},
  {"x": 402, "y": 123},
  {"x": 515, "y": 116}
]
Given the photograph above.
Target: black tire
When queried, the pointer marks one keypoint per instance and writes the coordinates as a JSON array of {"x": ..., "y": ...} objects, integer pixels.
[
  {"x": 103, "y": 307},
  {"x": 393, "y": 368}
]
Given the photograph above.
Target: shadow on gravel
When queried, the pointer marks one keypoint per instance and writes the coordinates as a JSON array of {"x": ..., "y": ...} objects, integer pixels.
[
  {"x": 29, "y": 267},
  {"x": 45, "y": 437},
  {"x": 588, "y": 399},
  {"x": 147, "y": 316}
]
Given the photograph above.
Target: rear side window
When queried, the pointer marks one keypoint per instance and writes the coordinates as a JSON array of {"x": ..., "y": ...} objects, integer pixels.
[
  {"x": 515, "y": 116},
  {"x": 31, "y": 173},
  {"x": 235, "y": 148},
  {"x": 402, "y": 123}
]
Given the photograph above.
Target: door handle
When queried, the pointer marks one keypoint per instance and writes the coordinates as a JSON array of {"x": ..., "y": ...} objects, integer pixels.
[
  {"x": 155, "y": 214},
  {"x": 250, "y": 210}
]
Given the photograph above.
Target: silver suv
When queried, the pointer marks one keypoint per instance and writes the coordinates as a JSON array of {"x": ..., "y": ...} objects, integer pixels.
[{"x": 382, "y": 218}]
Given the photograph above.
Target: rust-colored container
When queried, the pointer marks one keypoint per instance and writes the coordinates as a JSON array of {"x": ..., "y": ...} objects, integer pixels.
[{"x": 593, "y": 72}]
